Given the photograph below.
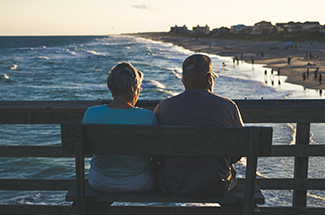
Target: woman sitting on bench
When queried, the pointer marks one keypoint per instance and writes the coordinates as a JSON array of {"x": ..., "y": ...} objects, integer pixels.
[{"x": 121, "y": 173}]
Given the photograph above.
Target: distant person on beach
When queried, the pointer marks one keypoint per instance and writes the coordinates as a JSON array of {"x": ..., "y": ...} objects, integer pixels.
[
  {"x": 121, "y": 173},
  {"x": 307, "y": 73},
  {"x": 197, "y": 105},
  {"x": 316, "y": 73},
  {"x": 253, "y": 61},
  {"x": 304, "y": 76},
  {"x": 320, "y": 77},
  {"x": 289, "y": 60}
]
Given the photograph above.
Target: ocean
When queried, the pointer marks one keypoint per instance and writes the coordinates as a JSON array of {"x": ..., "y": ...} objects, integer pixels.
[{"x": 76, "y": 67}]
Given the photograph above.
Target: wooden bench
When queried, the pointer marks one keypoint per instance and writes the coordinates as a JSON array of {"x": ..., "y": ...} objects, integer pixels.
[{"x": 250, "y": 142}]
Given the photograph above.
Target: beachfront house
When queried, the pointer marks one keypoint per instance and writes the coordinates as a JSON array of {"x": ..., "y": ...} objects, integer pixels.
[
  {"x": 311, "y": 27},
  {"x": 201, "y": 29},
  {"x": 235, "y": 29},
  {"x": 281, "y": 27},
  {"x": 222, "y": 30},
  {"x": 295, "y": 27},
  {"x": 178, "y": 29},
  {"x": 263, "y": 27}
]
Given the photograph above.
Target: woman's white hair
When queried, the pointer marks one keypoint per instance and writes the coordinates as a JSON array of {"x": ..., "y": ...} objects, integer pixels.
[{"x": 122, "y": 78}]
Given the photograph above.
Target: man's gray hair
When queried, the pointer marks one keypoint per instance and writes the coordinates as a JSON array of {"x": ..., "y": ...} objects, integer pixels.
[{"x": 122, "y": 78}]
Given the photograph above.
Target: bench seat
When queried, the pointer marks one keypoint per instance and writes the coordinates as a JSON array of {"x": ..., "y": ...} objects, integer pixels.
[{"x": 156, "y": 195}]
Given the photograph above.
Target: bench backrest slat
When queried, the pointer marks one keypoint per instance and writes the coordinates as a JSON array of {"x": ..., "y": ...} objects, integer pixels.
[{"x": 166, "y": 140}]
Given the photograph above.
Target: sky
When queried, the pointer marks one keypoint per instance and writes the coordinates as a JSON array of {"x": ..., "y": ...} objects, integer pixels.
[{"x": 105, "y": 17}]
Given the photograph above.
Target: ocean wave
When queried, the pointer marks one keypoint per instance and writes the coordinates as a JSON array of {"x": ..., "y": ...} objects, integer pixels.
[
  {"x": 152, "y": 84},
  {"x": 157, "y": 93},
  {"x": 87, "y": 53},
  {"x": 118, "y": 44},
  {"x": 4, "y": 76},
  {"x": 13, "y": 67},
  {"x": 43, "y": 57},
  {"x": 176, "y": 71}
]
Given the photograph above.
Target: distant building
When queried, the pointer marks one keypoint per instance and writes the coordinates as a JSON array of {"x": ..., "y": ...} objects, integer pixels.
[
  {"x": 201, "y": 30},
  {"x": 281, "y": 27},
  {"x": 235, "y": 29},
  {"x": 263, "y": 26},
  {"x": 178, "y": 29},
  {"x": 248, "y": 30},
  {"x": 221, "y": 30},
  {"x": 296, "y": 27},
  {"x": 311, "y": 27}
]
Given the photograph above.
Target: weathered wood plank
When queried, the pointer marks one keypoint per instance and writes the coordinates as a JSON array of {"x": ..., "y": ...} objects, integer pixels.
[
  {"x": 265, "y": 138},
  {"x": 36, "y": 184},
  {"x": 292, "y": 210},
  {"x": 301, "y": 164},
  {"x": 114, "y": 210},
  {"x": 253, "y": 111},
  {"x": 157, "y": 210},
  {"x": 289, "y": 183},
  {"x": 298, "y": 150},
  {"x": 40, "y": 118},
  {"x": 80, "y": 170},
  {"x": 253, "y": 146},
  {"x": 263, "y": 183},
  {"x": 157, "y": 195},
  {"x": 170, "y": 140},
  {"x": 56, "y": 151}
]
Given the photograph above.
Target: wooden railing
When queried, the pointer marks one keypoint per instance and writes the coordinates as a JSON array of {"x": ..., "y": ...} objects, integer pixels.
[{"x": 300, "y": 112}]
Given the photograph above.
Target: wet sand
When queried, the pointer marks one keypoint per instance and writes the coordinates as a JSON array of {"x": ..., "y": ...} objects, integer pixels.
[{"x": 275, "y": 55}]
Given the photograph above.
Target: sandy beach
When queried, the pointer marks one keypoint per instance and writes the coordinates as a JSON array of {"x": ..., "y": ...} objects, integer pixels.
[{"x": 275, "y": 55}]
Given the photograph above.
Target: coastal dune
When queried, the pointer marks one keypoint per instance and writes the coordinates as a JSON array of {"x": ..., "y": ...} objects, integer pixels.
[{"x": 273, "y": 54}]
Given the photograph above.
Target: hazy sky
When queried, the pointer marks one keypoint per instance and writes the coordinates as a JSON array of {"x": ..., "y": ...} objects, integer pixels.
[{"x": 102, "y": 17}]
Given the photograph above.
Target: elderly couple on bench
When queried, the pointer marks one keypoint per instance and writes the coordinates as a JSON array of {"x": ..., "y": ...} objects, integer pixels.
[{"x": 192, "y": 177}]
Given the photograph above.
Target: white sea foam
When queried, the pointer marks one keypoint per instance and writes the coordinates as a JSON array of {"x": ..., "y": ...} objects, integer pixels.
[
  {"x": 176, "y": 71},
  {"x": 43, "y": 57},
  {"x": 4, "y": 76},
  {"x": 152, "y": 84},
  {"x": 13, "y": 67}
]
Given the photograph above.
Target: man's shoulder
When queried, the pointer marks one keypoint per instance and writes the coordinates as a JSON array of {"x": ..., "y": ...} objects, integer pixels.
[
  {"x": 219, "y": 98},
  {"x": 226, "y": 99},
  {"x": 173, "y": 98}
]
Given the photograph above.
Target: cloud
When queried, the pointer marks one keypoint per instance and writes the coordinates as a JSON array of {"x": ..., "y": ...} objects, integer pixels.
[{"x": 145, "y": 7}]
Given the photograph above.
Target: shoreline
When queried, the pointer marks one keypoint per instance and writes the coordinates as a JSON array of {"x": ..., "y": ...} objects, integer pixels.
[{"x": 275, "y": 55}]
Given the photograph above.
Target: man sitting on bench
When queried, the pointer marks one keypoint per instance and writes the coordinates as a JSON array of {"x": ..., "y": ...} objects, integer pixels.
[{"x": 197, "y": 105}]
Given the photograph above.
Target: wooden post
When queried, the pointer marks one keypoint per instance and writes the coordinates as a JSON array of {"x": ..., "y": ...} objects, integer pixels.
[
  {"x": 301, "y": 164},
  {"x": 248, "y": 207},
  {"x": 80, "y": 171}
]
